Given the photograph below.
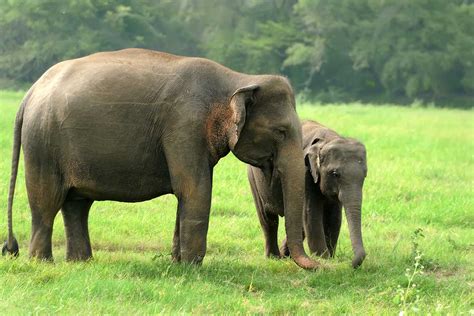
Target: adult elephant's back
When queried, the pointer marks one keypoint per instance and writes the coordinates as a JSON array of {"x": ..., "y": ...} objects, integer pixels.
[{"x": 100, "y": 122}]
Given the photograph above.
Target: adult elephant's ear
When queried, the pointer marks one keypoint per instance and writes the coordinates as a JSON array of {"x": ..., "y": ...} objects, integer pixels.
[{"x": 240, "y": 100}]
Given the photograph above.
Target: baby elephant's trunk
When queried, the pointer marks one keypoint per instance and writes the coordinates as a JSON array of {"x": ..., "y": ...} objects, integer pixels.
[{"x": 352, "y": 202}]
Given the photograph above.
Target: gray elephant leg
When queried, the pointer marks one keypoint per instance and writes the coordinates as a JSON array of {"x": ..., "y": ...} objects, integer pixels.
[
  {"x": 194, "y": 209},
  {"x": 176, "y": 251},
  {"x": 194, "y": 205},
  {"x": 314, "y": 230},
  {"x": 332, "y": 225},
  {"x": 75, "y": 216},
  {"x": 41, "y": 232},
  {"x": 191, "y": 180},
  {"x": 45, "y": 198},
  {"x": 42, "y": 214},
  {"x": 313, "y": 219},
  {"x": 269, "y": 223}
]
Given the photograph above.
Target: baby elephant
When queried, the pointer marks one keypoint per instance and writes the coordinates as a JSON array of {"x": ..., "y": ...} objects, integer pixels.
[{"x": 335, "y": 171}]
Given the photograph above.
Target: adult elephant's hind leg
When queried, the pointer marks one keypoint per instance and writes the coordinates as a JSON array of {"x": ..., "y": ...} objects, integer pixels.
[
  {"x": 75, "y": 216},
  {"x": 268, "y": 221},
  {"x": 45, "y": 200},
  {"x": 41, "y": 233},
  {"x": 176, "y": 251}
]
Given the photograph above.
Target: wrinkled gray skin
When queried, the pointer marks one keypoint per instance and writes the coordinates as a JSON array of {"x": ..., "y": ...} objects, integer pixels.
[
  {"x": 135, "y": 124},
  {"x": 335, "y": 171}
]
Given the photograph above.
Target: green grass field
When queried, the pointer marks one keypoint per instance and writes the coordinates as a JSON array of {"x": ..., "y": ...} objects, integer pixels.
[{"x": 421, "y": 174}]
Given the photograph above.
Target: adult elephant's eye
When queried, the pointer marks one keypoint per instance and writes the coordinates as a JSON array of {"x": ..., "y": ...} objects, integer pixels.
[
  {"x": 334, "y": 173},
  {"x": 280, "y": 133}
]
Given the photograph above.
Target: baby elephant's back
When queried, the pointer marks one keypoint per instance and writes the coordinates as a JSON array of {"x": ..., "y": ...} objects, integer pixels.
[{"x": 313, "y": 130}]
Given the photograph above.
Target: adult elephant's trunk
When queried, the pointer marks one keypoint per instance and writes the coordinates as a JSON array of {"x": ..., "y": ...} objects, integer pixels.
[
  {"x": 351, "y": 199},
  {"x": 290, "y": 166}
]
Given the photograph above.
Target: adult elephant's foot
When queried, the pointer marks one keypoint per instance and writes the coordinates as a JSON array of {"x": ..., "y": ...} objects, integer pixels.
[
  {"x": 176, "y": 258},
  {"x": 80, "y": 252},
  {"x": 176, "y": 251},
  {"x": 192, "y": 259}
]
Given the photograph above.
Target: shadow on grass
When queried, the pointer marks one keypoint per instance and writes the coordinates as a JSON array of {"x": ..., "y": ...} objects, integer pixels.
[{"x": 254, "y": 275}]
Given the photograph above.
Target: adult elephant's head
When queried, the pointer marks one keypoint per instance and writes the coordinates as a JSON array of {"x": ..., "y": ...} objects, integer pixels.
[{"x": 266, "y": 133}]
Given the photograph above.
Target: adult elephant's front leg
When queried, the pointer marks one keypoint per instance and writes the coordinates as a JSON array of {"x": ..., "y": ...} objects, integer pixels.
[
  {"x": 193, "y": 216},
  {"x": 191, "y": 180}
]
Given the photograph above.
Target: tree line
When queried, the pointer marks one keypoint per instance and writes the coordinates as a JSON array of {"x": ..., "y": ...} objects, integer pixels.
[{"x": 331, "y": 50}]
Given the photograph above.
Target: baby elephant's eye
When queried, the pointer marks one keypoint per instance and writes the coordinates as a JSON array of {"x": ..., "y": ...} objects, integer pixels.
[{"x": 334, "y": 173}]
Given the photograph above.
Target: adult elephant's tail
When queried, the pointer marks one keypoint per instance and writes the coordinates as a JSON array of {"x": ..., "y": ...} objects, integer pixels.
[{"x": 11, "y": 245}]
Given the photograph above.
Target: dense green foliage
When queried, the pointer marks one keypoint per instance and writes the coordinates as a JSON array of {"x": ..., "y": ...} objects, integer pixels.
[
  {"x": 333, "y": 50},
  {"x": 420, "y": 177}
]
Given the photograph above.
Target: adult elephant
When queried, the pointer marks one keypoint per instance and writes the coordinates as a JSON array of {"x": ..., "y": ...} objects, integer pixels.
[{"x": 135, "y": 124}]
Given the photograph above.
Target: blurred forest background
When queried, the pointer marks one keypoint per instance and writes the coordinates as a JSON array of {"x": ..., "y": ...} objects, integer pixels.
[{"x": 332, "y": 50}]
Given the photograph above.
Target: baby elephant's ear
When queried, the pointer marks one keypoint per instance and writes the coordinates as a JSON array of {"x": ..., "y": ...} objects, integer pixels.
[{"x": 312, "y": 162}]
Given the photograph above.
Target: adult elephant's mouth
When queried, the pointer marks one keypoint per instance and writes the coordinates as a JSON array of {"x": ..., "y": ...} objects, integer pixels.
[{"x": 260, "y": 162}]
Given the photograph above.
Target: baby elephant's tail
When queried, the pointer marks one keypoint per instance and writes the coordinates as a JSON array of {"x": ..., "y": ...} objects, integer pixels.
[{"x": 11, "y": 245}]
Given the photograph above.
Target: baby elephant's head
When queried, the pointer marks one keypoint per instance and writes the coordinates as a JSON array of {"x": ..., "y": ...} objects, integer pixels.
[{"x": 339, "y": 166}]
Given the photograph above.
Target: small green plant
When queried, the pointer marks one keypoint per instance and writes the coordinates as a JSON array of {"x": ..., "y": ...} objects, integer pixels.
[
  {"x": 417, "y": 235},
  {"x": 408, "y": 297}
]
